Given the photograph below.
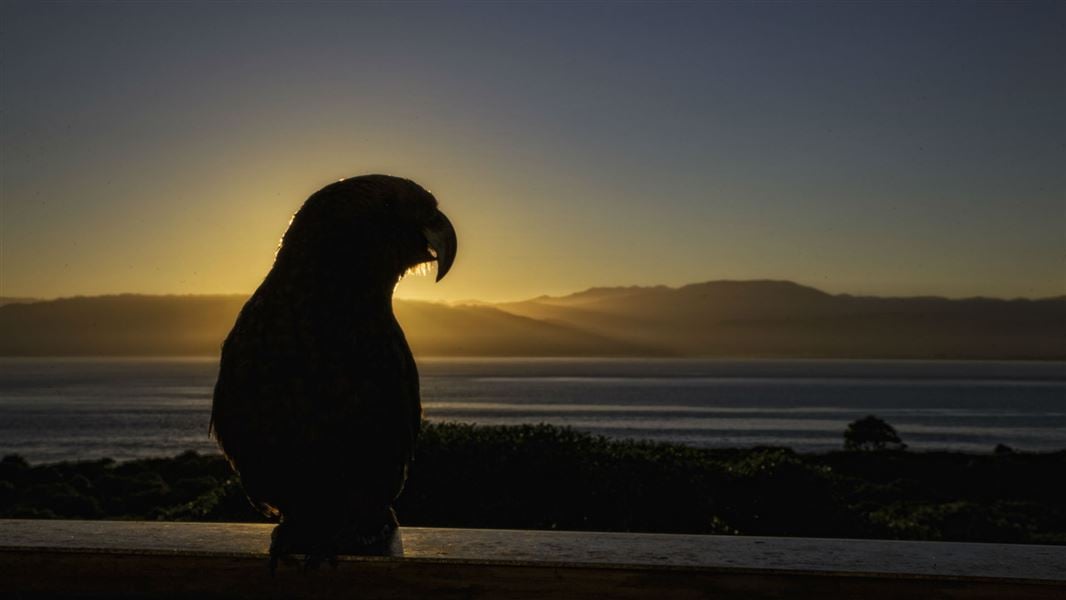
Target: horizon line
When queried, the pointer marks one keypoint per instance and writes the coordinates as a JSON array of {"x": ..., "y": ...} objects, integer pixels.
[{"x": 24, "y": 299}]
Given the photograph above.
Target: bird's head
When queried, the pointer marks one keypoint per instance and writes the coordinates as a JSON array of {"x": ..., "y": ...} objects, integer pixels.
[{"x": 380, "y": 225}]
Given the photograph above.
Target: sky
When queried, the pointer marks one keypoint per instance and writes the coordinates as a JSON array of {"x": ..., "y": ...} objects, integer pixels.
[{"x": 870, "y": 148}]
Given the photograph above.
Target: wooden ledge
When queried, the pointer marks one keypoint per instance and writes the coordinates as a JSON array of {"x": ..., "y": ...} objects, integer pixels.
[{"x": 153, "y": 559}]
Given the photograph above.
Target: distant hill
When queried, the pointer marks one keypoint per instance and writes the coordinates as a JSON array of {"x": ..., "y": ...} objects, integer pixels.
[
  {"x": 718, "y": 318},
  {"x": 781, "y": 318},
  {"x": 118, "y": 325},
  {"x": 196, "y": 325},
  {"x": 15, "y": 300},
  {"x": 435, "y": 329}
]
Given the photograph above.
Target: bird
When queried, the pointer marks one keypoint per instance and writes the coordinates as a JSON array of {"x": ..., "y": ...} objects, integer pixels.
[{"x": 317, "y": 405}]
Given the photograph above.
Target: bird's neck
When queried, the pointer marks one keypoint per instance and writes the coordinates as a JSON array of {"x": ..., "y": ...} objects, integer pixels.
[{"x": 356, "y": 295}]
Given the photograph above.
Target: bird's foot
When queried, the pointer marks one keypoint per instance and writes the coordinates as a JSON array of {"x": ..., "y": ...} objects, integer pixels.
[
  {"x": 285, "y": 542},
  {"x": 288, "y": 541},
  {"x": 384, "y": 542},
  {"x": 318, "y": 545}
]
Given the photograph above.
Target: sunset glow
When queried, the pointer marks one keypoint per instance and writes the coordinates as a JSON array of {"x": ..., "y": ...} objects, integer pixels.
[{"x": 866, "y": 149}]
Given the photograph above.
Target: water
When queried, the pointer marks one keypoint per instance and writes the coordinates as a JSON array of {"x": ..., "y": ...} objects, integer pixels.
[{"x": 63, "y": 409}]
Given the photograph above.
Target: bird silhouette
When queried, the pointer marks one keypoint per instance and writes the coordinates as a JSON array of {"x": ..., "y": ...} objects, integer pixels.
[{"x": 317, "y": 401}]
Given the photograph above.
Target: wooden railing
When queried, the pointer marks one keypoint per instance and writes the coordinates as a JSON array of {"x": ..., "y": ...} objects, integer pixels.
[{"x": 177, "y": 560}]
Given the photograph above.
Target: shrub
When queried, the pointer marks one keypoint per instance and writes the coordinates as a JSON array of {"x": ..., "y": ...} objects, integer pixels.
[{"x": 871, "y": 433}]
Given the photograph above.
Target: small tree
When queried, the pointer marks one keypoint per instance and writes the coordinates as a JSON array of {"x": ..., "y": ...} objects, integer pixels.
[
  {"x": 871, "y": 433},
  {"x": 1003, "y": 449}
]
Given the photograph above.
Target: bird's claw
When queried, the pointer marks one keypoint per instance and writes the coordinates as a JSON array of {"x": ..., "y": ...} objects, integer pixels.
[{"x": 287, "y": 543}]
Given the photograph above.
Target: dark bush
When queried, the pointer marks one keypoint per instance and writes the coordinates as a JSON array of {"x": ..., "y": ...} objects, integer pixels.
[{"x": 871, "y": 433}]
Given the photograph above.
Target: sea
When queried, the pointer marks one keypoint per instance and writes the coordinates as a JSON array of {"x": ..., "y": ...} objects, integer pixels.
[{"x": 60, "y": 409}]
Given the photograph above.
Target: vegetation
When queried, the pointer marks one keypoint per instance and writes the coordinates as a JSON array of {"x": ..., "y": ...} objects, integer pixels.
[
  {"x": 871, "y": 433},
  {"x": 543, "y": 477}
]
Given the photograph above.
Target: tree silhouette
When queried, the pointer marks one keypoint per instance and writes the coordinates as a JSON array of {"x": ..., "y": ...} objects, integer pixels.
[{"x": 871, "y": 433}]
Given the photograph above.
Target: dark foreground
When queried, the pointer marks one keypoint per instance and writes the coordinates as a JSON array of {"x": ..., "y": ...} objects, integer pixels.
[{"x": 542, "y": 477}]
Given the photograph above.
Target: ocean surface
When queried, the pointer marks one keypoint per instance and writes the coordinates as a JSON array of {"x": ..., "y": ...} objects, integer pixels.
[{"x": 65, "y": 409}]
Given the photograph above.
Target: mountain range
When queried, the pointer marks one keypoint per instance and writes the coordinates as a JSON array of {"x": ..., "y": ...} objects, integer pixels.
[{"x": 717, "y": 318}]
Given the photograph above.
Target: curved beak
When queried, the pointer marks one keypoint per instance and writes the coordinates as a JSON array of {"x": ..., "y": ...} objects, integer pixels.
[{"x": 441, "y": 238}]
